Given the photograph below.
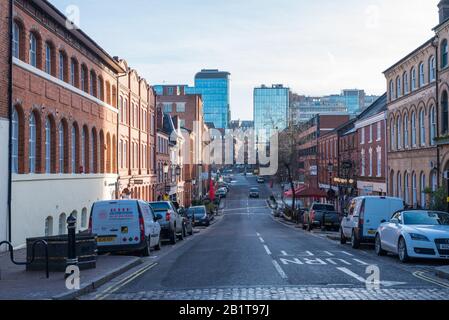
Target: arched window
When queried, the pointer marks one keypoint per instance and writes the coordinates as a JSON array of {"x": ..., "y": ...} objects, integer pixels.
[
  {"x": 398, "y": 87},
  {"x": 413, "y": 79},
  {"x": 444, "y": 113},
  {"x": 392, "y": 135},
  {"x": 74, "y": 72},
  {"x": 74, "y": 141},
  {"x": 84, "y": 137},
  {"x": 434, "y": 181},
  {"x": 84, "y": 218},
  {"x": 93, "y": 84},
  {"x": 433, "y": 125},
  {"x": 84, "y": 78},
  {"x": 406, "y": 189},
  {"x": 48, "y": 143},
  {"x": 413, "y": 129},
  {"x": 49, "y": 226},
  {"x": 422, "y": 128},
  {"x": 414, "y": 190},
  {"x": 399, "y": 133},
  {"x": 16, "y": 40},
  {"x": 432, "y": 69},
  {"x": 61, "y": 147},
  {"x": 444, "y": 54},
  {"x": 392, "y": 190},
  {"x": 100, "y": 88},
  {"x": 62, "y": 224},
  {"x": 399, "y": 188},
  {"x": 406, "y": 84},
  {"x": 62, "y": 66},
  {"x": 48, "y": 58},
  {"x": 32, "y": 143},
  {"x": 391, "y": 90},
  {"x": 422, "y": 78},
  {"x": 15, "y": 141},
  {"x": 93, "y": 152},
  {"x": 406, "y": 136},
  {"x": 422, "y": 188},
  {"x": 33, "y": 50}
]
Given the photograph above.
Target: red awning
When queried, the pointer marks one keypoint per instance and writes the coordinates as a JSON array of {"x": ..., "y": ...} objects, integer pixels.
[
  {"x": 306, "y": 192},
  {"x": 298, "y": 190}
]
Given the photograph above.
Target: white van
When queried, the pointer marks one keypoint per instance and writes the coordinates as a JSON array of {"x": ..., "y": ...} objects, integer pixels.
[
  {"x": 125, "y": 225},
  {"x": 365, "y": 215}
]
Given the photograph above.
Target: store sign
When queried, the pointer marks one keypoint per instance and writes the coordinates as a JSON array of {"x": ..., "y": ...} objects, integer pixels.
[{"x": 313, "y": 170}]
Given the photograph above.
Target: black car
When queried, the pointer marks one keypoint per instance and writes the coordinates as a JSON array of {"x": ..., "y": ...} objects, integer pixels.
[{"x": 199, "y": 216}]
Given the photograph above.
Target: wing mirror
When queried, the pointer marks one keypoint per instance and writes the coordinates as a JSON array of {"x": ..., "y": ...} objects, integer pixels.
[
  {"x": 395, "y": 221},
  {"x": 383, "y": 221}
]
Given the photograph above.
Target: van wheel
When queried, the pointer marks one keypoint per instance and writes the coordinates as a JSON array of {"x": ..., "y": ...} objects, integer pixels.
[
  {"x": 342, "y": 237},
  {"x": 173, "y": 238},
  {"x": 158, "y": 247},
  {"x": 147, "y": 250},
  {"x": 355, "y": 242}
]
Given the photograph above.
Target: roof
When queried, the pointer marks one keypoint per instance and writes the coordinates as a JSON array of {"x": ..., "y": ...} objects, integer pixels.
[
  {"x": 54, "y": 13},
  {"x": 378, "y": 106},
  {"x": 212, "y": 74}
]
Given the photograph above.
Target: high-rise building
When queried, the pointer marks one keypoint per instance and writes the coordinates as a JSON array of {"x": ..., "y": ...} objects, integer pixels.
[
  {"x": 354, "y": 100},
  {"x": 214, "y": 86},
  {"x": 271, "y": 105}
]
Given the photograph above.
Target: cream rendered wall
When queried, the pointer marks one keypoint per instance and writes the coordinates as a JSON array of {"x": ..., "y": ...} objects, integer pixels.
[
  {"x": 36, "y": 197},
  {"x": 4, "y": 134}
]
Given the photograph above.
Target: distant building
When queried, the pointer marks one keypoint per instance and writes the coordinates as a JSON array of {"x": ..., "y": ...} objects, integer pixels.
[
  {"x": 271, "y": 105},
  {"x": 241, "y": 124}
]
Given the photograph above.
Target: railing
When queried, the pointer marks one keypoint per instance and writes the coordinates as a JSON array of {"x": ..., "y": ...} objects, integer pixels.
[{"x": 11, "y": 251}]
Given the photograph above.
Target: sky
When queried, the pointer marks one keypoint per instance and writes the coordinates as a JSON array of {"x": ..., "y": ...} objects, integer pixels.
[{"x": 315, "y": 47}]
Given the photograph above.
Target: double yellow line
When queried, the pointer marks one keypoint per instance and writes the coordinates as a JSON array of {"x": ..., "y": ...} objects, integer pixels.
[
  {"x": 422, "y": 275},
  {"x": 114, "y": 288}
]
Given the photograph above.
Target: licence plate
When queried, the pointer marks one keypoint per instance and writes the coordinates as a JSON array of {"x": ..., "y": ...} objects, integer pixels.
[
  {"x": 444, "y": 246},
  {"x": 106, "y": 239},
  {"x": 371, "y": 231}
]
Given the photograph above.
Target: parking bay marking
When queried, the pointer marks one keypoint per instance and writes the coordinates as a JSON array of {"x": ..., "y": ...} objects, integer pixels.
[
  {"x": 363, "y": 280},
  {"x": 321, "y": 262},
  {"x": 267, "y": 250}
]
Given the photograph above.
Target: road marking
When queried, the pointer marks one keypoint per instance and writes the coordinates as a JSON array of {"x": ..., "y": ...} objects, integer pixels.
[
  {"x": 284, "y": 253},
  {"x": 352, "y": 274},
  {"x": 328, "y": 253},
  {"x": 267, "y": 250},
  {"x": 107, "y": 292},
  {"x": 347, "y": 253},
  {"x": 363, "y": 263},
  {"x": 279, "y": 270},
  {"x": 261, "y": 240},
  {"x": 363, "y": 280},
  {"x": 422, "y": 275},
  {"x": 258, "y": 234}
]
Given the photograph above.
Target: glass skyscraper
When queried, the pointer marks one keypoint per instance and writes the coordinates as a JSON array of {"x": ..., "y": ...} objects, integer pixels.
[
  {"x": 271, "y": 106},
  {"x": 214, "y": 86}
]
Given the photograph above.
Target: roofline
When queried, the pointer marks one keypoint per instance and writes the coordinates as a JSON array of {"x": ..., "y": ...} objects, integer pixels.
[
  {"x": 410, "y": 54},
  {"x": 52, "y": 11},
  {"x": 438, "y": 26}
]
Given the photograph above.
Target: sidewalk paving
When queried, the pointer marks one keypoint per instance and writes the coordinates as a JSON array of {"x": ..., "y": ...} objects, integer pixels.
[{"x": 17, "y": 284}]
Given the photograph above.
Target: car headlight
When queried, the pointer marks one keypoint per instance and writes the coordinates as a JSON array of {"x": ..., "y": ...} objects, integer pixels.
[{"x": 419, "y": 237}]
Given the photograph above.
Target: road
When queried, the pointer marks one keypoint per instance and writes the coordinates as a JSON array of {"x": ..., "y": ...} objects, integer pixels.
[{"x": 248, "y": 254}]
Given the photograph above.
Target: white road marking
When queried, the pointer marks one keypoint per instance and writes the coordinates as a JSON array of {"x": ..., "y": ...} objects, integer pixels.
[
  {"x": 363, "y": 263},
  {"x": 261, "y": 240},
  {"x": 258, "y": 234},
  {"x": 267, "y": 250},
  {"x": 284, "y": 253},
  {"x": 363, "y": 280},
  {"x": 279, "y": 270},
  {"x": 347, "y": 253},
  {"x": 328, "y": 253}
]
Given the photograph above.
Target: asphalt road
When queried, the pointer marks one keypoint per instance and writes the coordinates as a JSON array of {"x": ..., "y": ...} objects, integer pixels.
[{"x": 248, "y": 254}]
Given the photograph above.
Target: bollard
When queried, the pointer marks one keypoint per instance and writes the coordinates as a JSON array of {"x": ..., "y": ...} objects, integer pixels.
[{"x": 72, "y": 259}]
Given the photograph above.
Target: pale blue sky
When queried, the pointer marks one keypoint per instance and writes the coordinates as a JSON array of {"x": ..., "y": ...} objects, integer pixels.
[{"x": 315, "y": 47}]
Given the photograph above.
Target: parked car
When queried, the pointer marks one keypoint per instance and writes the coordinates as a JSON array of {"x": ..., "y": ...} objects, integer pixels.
[
  {"x": 125, "y": 226},
  {"x": 415, "y": 234},
  {"x": 188, "y": 223},
  {"x": 321, "y": 215},
  {"x": 222, "y": 193},
  {"x": 260, "y": 180},
  {"x": 254, "y": 193},
  {"x": 172, "y": 226},
  {"x": 364, "y": 217},
  {"x": 199, "y": 216}
]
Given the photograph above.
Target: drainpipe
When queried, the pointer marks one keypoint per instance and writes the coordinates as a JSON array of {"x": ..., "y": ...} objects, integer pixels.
[
  {"x": 117, "y": 98},
  {"x": 10, "y": 123},
  {"x": 435, "y": 44}
]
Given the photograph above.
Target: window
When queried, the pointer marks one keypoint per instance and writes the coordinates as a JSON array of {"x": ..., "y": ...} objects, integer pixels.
[
  {"x": 379, "y": 162},
  {"x": 32, "y": 143},
  {"x": 62, "y": 224},
  {"x": 84, "y": 79},
  {"x": 399, "y": 189},
  {"x": 422, "y": 187},
  {"x": 100, "y": 89},
  {"x": 168, "y": 107},
  {"x": 392, "y": 135},
  {"x": 406, "y": 84},
  {"x": 15, "y": 41},
  {"x": 391, "y": 90},
  {"x": 444, "y": 54},
  {"x": 398, "y": 87},
  {"x": 84, "y": 218},
  {"x": 422, "y": 79},
  {"x": 432, "y": 69},
  {"x": 379, "y": 131},
  {"x": 48, "y": 56},
  {"x": 422, "y": 128},
  {"x": 399, "y": 131},
  {"x": 49, "y": 227},
  {"x": 125, "y": 154},
  {"x": 414, "y": 190},
  {"x": 33, "y": 50},
  {"x": 62, "y": 70},
  {"x": 180, "y": 107},
  {"x": 370, "y": 133},
  {"x": 92, "y": 84},
  {"x": 121, "y": 109},
  {"x": 362, "y": 138},
  {"x": 48, "y": 146},
  {"x": 434, "y": 181},
  {"x": 15, "y": 141},
  {"x": 74, "y": 153},
  {"x": 433, "y": 126},
  {"x": 406, "y": 189},
  {"x": 125, "y": 111},
  {"x": 406, "y": 140},
  {"x": 413, "y": 129},
  {"x": 73, "y": 70},
  {"x": 445, "y": 113},
  {"x": 61, "y": 134},
  {"x": 413, "y": 79},
  {"x": 363, "y": 163},
  {"x": 370, "y": 162},
  {"x": 83, "y": 151},
  {"x": 92, "y": 152}
]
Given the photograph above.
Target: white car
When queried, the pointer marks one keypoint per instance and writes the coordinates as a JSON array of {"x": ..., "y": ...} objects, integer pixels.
[{"x": 415, "y": 234}]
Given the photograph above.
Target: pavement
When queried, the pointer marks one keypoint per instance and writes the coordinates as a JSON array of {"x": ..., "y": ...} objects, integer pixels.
[{"x": 249, "y": 255}]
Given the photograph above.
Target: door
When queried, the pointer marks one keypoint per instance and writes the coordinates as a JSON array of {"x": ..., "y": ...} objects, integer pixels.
[
  {"x": 347, "y": 221},
  {"x": 389, "y": 238},
  {"x": 150, "y": 224}
]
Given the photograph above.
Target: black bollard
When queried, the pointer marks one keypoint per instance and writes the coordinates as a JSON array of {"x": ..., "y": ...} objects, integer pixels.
[{"x": 72, "y": 259}]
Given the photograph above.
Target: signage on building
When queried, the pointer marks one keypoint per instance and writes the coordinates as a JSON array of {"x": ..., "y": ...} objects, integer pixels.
[
  {"x": 139, "y": 182},
  {"x": 313, "y": 170}
]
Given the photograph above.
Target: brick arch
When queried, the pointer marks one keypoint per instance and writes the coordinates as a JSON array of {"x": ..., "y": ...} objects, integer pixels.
[{"x": 430, "y": 102}]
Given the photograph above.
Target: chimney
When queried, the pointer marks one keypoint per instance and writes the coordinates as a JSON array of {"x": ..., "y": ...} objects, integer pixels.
[{"x": 443, "y": 7}]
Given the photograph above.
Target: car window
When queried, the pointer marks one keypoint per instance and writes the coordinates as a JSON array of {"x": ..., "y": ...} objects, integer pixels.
[
  {"x": 426, "y": 218},
  {"x": 160, "y": 206},
  {"x": 352, "y": 207},
  {"x": 397, "y": 216},
  {"x": 324, "y": 207}
]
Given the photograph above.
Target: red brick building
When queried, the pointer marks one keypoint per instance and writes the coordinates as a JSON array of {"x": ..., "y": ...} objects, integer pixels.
[
  {"x": 64, "y": 122},
  {"x": 137, "y": 136}
]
